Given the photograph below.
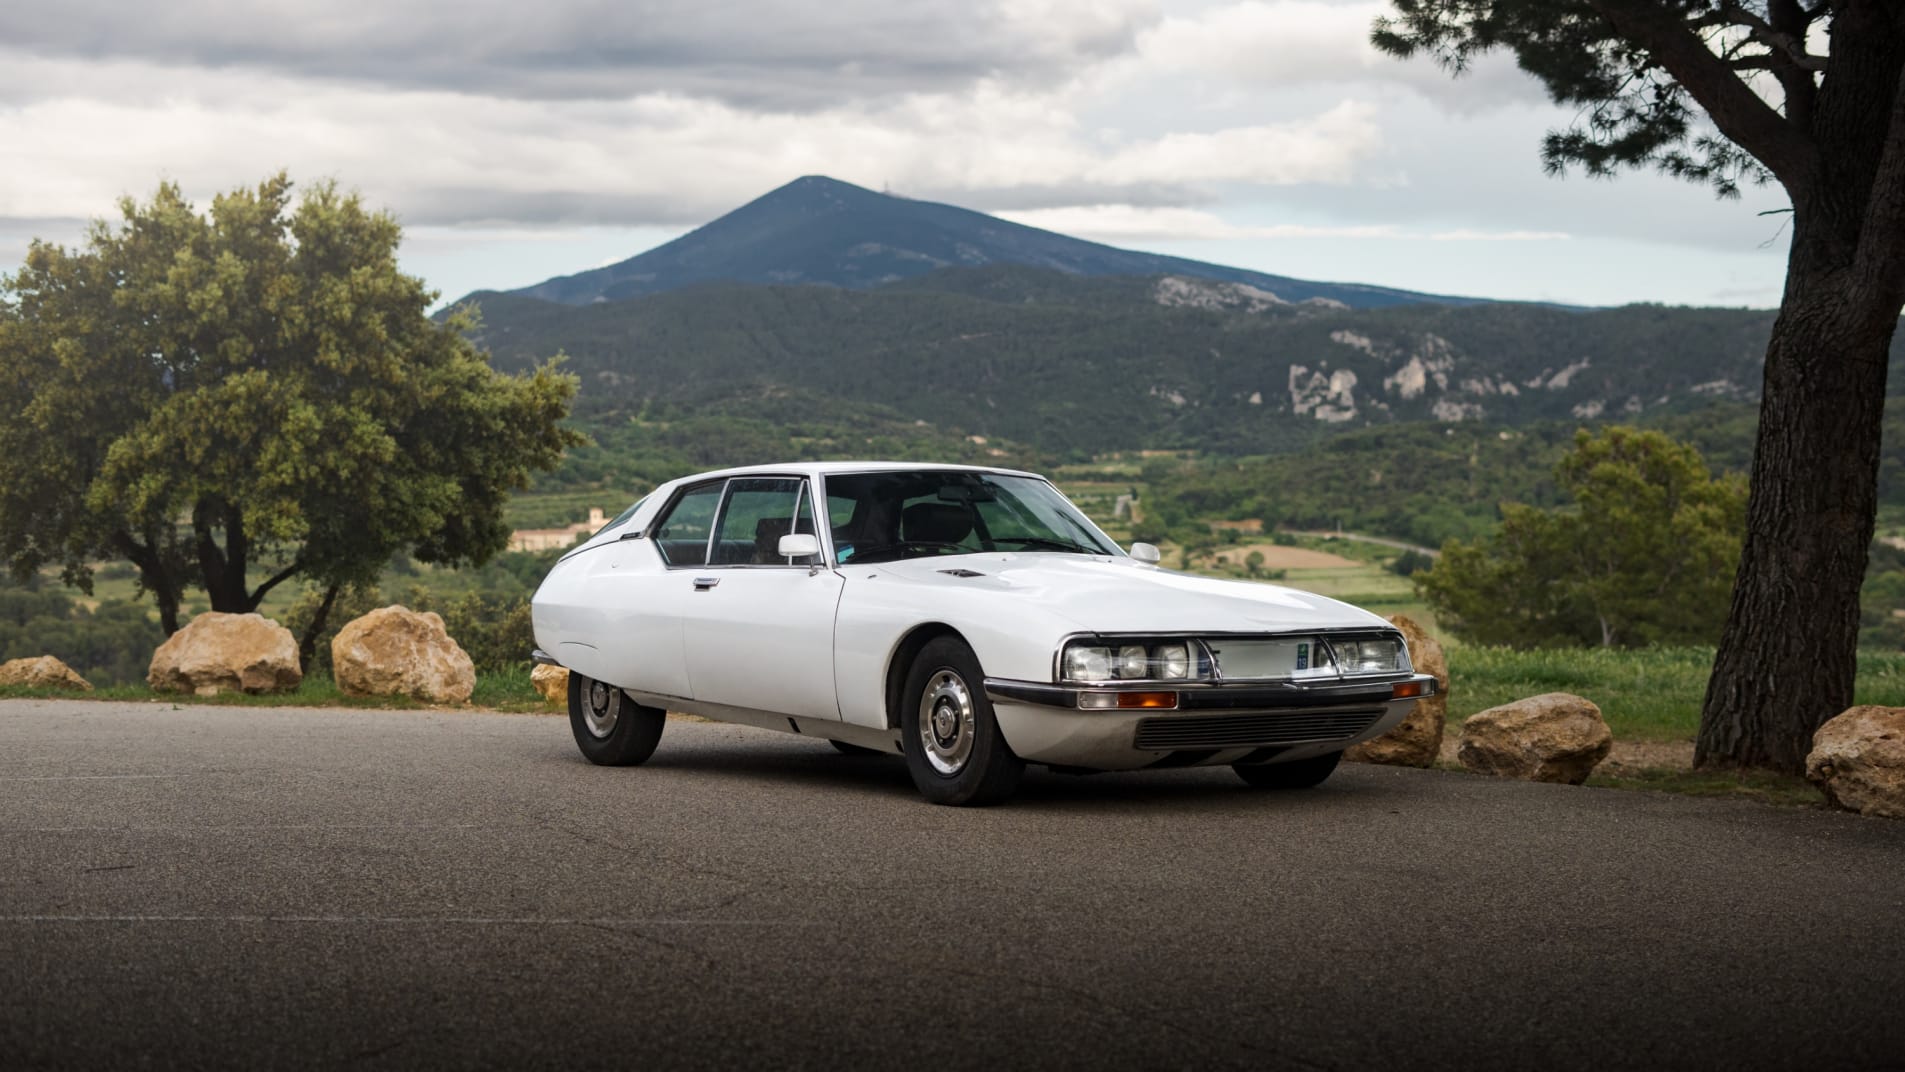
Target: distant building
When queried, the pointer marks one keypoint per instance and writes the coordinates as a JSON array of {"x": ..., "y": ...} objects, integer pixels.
[{"x": 544, "y": 539}]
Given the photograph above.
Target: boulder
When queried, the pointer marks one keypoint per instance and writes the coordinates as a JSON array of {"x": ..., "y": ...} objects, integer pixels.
[
  {"x": 552, "y": 682},
  {"x": 1555, "y": 737},
  {"x": 394, "y": 651},
  {"x": 1858, "y": 761},
  {"x": 218, "y": 652},
  {"x": 44, "y": 672},
  {"x": 1417, "y": 740}
]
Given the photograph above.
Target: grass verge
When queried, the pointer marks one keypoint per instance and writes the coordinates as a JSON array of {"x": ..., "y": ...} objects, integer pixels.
[{"x": 1648, "y": 695}]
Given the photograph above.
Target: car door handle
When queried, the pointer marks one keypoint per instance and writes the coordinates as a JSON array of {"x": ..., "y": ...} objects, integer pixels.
[{"x": 702, "y": 584}]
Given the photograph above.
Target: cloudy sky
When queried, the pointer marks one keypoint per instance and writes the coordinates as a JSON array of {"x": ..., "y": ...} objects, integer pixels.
[{"x": 522, "y": 140}]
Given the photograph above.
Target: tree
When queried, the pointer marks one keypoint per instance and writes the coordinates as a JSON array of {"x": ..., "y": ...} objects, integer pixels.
[
  {"x": 1724, "y": 92},
  {"x": 1645, "y": 555},
  {"x": 253, "y": 389}
]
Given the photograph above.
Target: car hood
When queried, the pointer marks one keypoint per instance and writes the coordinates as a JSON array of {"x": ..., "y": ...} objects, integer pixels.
[{"x": 1120, "y": 595}]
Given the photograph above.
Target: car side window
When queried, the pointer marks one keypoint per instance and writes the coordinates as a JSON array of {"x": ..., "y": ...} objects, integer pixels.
[
  {"x": 757, "y": 513},
  {"x": 682, "y": 536}
]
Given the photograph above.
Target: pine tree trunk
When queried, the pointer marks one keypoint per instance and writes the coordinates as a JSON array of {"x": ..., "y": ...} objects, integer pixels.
[{"x": 1789, "y": 652}]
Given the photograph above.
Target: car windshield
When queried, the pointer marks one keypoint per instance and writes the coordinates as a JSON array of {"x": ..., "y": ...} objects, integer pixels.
[{"x": 881, "y": 517}]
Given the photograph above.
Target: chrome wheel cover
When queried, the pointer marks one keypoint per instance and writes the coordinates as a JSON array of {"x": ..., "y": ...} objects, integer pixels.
[
  {"x": 601, "y": 707},
  {"x": 947, "y": 724}
]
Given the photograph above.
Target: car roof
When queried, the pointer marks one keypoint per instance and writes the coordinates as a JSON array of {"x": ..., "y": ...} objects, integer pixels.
[{"x": 832, "y": 468}]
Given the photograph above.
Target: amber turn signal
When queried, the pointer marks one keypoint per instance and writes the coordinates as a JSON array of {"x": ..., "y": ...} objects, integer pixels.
[
  {"x": 1147, "y": 699},
  {"x": 1403, "y": 690}
]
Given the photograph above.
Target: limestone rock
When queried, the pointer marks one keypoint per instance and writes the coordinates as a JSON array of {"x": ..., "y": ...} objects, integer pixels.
[
  {"x": 1858, "y": 761},
  {"x": 1417, "y": 740},
  {"x": 1555, "y": 737},
  {"x": 44, "y": 672},
  {"x": 394, "y": 651},
  {"x": 552, "y": 682},
  {"x": 218, "y": 652}
]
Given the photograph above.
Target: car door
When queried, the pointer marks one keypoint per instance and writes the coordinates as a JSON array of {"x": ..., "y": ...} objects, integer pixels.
[
  {"x": 757, "y": 626},
  {"x": 638, "y": 580}
]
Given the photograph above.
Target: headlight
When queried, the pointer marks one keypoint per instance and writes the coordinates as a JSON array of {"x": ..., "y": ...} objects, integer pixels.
[
  {"x": 1369, "y": 655},
  {"x": 1087, "y": 664},
  {"x": 1130, "y": 661}
]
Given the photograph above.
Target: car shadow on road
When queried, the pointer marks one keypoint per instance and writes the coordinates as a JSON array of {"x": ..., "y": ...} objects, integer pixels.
[{"x": 816, "y": 766}]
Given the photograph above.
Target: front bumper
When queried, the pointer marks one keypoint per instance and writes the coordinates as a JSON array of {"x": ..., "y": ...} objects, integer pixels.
[{"x": 1213, "y": 722}]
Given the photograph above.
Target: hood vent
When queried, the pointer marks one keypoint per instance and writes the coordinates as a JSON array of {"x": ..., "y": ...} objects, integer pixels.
[{"x": 962, "y": 573}]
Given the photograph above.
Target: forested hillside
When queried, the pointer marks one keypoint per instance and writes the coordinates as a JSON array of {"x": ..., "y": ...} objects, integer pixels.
[{"x": 1074, "y": 367}]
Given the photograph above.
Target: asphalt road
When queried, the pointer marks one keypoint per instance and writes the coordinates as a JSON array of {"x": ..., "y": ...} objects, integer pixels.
[{"x": 228, "y": 887}]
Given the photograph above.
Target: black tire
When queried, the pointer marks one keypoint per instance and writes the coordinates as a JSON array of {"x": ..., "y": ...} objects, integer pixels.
[
  {"x": 971, "y": 765},
  {"x": 622, "y": 733},
  {"x": 1296, "y": 774},
  {"x": 846, "y": 749}
]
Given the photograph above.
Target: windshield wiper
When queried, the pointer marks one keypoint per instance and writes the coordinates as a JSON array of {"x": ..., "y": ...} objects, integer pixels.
[{"x": 1049, "y": 543}]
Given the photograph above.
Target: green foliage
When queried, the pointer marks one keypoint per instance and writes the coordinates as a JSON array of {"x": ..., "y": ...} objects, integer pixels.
[
  {"x": 111, "y": 644},
  {"x": 266, "y": 373},
  {"x": 1882, "y": 600},
  {"x": 1410, "y": 563},
  {"x": 492, "y": 626},
  {"x": 1645, "y": 556}
]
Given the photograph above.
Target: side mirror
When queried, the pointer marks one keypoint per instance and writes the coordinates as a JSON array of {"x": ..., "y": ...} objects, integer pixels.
[
  {"x": 1147, "y": 553},
  {"x": 799, "y": 545}
]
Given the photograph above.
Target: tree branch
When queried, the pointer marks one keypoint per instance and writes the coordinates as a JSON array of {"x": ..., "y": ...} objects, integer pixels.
[
  {"x": 285, "y": 574},
  {"x": 1792, "y": 45},
  {"x": 1742, "y": 116}
]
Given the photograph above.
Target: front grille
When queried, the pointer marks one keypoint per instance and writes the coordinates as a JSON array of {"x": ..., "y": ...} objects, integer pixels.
[{"x": 1249, "y": 731}]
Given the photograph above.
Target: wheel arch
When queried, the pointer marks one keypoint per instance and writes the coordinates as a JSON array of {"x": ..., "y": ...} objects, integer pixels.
[{"x": 901, "y": 662}]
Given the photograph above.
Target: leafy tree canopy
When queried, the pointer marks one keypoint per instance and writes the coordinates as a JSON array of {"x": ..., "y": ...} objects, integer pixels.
[
  {"x": 258, "y": 386},
  {"x": 1645, "y": 553}
]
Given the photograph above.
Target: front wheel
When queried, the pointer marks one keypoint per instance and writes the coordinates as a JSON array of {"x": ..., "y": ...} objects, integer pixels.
[
  {"x": 1296, "y": 774},
  {"x": 611, "y": 729},
  {"x": 954, "y": 749}
]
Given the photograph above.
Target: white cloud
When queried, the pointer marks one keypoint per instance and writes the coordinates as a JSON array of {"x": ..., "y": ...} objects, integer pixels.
[
  {"x": 483, "y": 123},
  {"x": 1130, "y": 223},
  {"x": 1270, "y": 44},
  {"x": 441, "y": 157}
]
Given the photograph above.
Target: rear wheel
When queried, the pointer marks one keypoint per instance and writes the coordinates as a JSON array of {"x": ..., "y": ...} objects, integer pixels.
[
  {"x": 1296, "y": 774},
  {"x": 954, "y": 749},
  {"x": 611, "y": 729}
]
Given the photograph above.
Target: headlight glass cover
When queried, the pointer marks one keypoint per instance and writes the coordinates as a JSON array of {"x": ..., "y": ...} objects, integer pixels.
[
  {"x": 1370, "y": 655},
  {"x": 1131, "y": 660}
]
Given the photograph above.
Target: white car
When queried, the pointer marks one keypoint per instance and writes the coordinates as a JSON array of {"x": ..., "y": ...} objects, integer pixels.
[{"x": 972, "y": 620}]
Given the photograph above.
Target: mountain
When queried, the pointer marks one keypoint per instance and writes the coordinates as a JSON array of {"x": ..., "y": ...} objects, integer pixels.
[
  {"x": 817, "y": 230},
  {"x": 1075, "y": 365}
]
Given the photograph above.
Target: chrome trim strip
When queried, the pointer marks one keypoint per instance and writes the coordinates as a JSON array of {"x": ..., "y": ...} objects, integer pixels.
[
  {"x": 542, "y": 658},
  {"x": 1219, "y": 695}
]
